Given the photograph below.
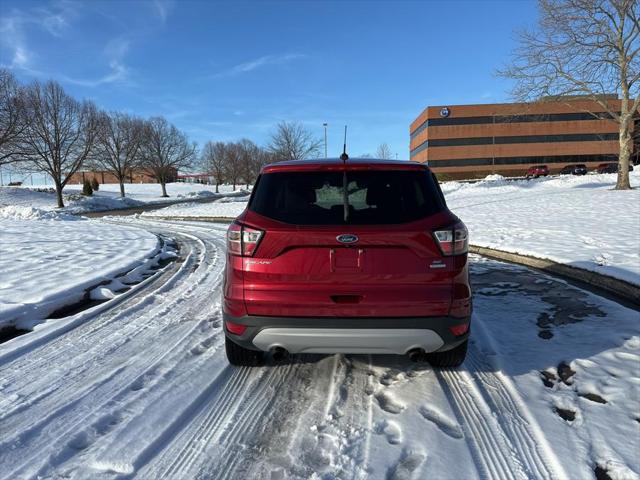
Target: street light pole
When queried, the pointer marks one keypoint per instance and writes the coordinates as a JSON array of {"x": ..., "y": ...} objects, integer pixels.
[{"x": 325, "y": 139}]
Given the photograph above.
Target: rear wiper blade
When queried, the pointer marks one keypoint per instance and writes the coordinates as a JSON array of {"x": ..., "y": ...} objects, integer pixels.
[{"x": 345, "y": 196}]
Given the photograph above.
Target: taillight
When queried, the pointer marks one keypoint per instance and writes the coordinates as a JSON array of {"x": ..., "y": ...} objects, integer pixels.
[
  {"x": 235, "y": 328},
  {"x": 458, "y": 330},
  {"x": 453, "y": 240},
  {"x": 243, "y": 240}
]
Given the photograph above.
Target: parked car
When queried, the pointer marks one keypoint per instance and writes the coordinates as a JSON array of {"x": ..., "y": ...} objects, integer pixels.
[
  {"x": 577, "y": 169},
  {"x": 610, "y": 168},
  {"x": 607, "y": 168},
  {"x": 537, "y": 171},
  {"x": 378, "y": 268}
]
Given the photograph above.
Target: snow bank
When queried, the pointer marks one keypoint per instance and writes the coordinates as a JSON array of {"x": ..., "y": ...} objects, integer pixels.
[
  {"x": 108, "y": 197},
  {"x": 48, "y": 260},
  {"x": 22, "y": 212},
  {"x": 227, "y": 207},
  {"x": 576, "y": 220}
]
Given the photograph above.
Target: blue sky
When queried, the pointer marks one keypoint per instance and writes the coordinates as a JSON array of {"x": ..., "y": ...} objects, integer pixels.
[{"x": 227, "y": 70}]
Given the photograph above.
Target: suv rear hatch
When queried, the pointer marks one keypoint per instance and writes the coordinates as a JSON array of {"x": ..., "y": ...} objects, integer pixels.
[{"x": 367, "y": 250}]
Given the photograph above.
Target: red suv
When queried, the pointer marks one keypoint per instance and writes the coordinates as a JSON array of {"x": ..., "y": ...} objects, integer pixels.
[
  {"x": 537, "y": 171},
  {"x": 361, "y": 256}
]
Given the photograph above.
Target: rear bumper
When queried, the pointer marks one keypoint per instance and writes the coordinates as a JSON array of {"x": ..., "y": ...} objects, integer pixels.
[{"x": 347, "y": 335}]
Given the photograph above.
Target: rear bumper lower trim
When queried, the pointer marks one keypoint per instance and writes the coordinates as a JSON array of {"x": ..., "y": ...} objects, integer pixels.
[
  {"x": 347, "y": 335},
  {"x": 347, "y": 340}
]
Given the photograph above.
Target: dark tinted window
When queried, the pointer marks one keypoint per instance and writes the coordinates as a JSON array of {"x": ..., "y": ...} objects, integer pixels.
[
  {"x": 374, "y": 197},
  {"x": 464, "y": 162},
  {"x": 574, "y": 137}
]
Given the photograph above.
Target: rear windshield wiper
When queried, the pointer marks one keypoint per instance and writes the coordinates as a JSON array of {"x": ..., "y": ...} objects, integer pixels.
[{"x": 345, "y": 196}]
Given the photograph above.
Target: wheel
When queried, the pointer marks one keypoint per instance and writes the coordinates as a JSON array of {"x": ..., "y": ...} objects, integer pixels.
[
  {"x": 450, "y": 358},
  {"x": 240, "y": 356}
]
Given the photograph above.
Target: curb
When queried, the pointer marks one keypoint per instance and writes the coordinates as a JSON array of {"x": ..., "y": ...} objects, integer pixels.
[
  {"x": 618, "y": 288},
  {"x": 189, "y": 219}
]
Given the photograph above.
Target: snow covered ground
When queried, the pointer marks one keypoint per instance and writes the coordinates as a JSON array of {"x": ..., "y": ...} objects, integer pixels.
[
  {"x": 550, "y": 389},
  {"x": 108, "y": 197},
  {"x": 227, "y": 207},
  {"x": 49, "y": 259},
  {"x": 576, "y": 220}
]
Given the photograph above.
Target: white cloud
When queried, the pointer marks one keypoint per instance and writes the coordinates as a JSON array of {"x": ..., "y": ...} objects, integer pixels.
[
  {"x": 117, "y": 48},
  {"x": 13, "y": 27},
  {"x": 118, "y": 73},
  {"x": 162, "y": 8},
  {"x": 56, "y": 20},
  {"x": 20, "y": 57},
  {"x": 263, "y": 61}
]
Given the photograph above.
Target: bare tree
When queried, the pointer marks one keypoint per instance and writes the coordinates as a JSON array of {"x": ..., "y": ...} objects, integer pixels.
[
  {"x": 59, "y": 133},
  {"x": 384, "y": 152},
  {"x": 589, "y": 48},
  {"x": 264, "y": 157},
  {"x": 213, "y": 161},
  {"x": 291, "y": 141},
  {"x": 164, "y": 151},
  {"x": 12, "y": 122},
  {"x": 233, "y": 163},
  {"x": 249, "y": 158},
  {"x": 118, "y": 142}
]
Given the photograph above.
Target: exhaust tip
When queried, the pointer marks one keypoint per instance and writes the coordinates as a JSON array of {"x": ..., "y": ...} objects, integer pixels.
[
  {"x": 416, "y": 354},
  {"x": 278, "y": 353}
]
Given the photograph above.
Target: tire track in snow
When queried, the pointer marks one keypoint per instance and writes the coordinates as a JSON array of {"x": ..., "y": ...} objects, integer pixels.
[
  {"x": 332, "y": 434},
  {"x": 188, "y": 445},
  {"x": 505, "y": 440},
  {"x": 45, "y": 394},
  {"x": 489, "y": 446},
  {"x": 97, "y": 350},
  {"x": 249, "y": 414}
]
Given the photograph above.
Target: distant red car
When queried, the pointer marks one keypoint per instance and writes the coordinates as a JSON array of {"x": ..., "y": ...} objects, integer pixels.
[
  {"x": 361, "y": 256},
  {"x": 537, "y": 171},
  {"x": 610, "y": 168}
]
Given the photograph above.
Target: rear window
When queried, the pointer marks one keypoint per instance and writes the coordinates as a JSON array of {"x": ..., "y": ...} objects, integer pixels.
[{"x": 373, "y": 197}]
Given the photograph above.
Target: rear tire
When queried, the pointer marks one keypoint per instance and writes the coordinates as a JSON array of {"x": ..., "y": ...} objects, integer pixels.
[
  {"x": 240, "y": 356},
  {"x": 450, "y": 358}
]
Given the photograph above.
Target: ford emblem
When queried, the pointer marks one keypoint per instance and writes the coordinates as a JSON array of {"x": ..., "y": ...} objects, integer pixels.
[{"x": 347, "y": 238}]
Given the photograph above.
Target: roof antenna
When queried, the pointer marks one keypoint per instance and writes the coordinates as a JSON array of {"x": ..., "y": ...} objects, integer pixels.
[{"x": 344, "y": 157}]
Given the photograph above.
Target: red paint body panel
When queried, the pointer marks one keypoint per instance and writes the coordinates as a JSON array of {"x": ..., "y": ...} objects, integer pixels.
[
  {"x": 393, "y": 270},
  {"x": 537, "y": 171}
]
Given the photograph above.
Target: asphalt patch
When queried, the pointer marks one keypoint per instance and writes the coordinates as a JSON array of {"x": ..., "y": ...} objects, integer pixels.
[
  {"x": 567, "y": 415},
  {"x": 601, "y": 473},
  {"x": 594, "y": 397},
  {"x": 567, "y": 304}
]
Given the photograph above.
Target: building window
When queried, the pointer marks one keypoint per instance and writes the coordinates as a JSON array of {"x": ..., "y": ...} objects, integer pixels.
[
  {"x": 469, "y": 162},
  {"x": 489, "y": 119},
  {"x": 572, "y": 137},
  {"x": 419, "y": 148}
]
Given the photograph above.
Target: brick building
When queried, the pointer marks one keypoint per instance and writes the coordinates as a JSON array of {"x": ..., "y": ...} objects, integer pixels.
[
  {"x": 137, "y": 176},
  {"x": 471, "y": 141}
]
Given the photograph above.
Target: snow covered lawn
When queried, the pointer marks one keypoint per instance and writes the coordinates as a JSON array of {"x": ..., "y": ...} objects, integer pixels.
[
  {"x": 108, "y": 197},
  {"x": 48, "y": 259},
  {"x": 579, "y": 221},
  {"x": 228, "y": 207}
]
